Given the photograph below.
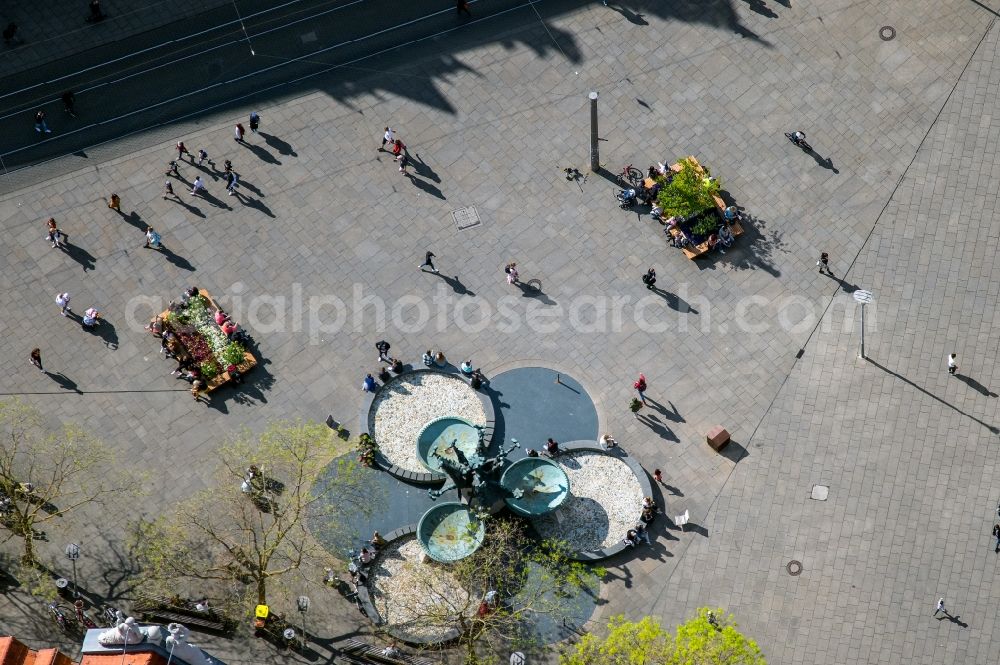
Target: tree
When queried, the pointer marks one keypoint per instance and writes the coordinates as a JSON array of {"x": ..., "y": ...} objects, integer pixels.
[
  {"x": 688, "y": 192},
  {"x": 46, "y": 474},
  {"x": 492, "y": 596},
  {"x": 709, "y": 638},
  {"x": 251, "y": 535}
]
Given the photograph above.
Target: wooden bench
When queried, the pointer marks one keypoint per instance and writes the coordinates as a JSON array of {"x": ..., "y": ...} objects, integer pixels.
[
  {"x": 702, "y": 248},
  {"x": 151, "y": 607},
  {"x": 373, "y": 654}
]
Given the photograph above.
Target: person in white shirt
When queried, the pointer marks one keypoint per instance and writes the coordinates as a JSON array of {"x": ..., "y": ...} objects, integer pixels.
[
  {"x": 63, "y": 301},
  {"x": 197, "y": 186},
  {"x": 388, "y": 137}
]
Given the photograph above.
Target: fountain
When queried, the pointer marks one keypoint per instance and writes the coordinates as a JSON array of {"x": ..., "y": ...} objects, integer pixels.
[
  {"x": 448, "y": 437},
  {"x": 450, "y": 531},
  {"x": 536, "y": 486}
]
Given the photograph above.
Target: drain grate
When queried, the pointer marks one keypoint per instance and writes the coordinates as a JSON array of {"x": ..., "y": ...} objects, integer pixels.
[
  {"x": 794, "y": 568},
  {"x": 466, "y": 218},
  {"x": 887, "y": 33}
]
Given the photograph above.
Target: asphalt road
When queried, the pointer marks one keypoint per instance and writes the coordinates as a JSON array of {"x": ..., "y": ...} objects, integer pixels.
[{"x": 214, "y": 61}]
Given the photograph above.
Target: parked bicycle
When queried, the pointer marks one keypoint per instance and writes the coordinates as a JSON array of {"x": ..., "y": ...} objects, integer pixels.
[
  {"x": 82, "y": 618},
  {"x": 630, "y": 177},
  {"x": 59, "y": 615}
]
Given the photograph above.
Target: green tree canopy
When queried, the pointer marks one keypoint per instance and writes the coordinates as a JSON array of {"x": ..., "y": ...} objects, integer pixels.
[
  {"x": 709, "y": 638},
  {"x": 688, "y": 192}
]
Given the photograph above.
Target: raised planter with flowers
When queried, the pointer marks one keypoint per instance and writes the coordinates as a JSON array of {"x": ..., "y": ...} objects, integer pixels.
[{"x": 202, "y": 340}]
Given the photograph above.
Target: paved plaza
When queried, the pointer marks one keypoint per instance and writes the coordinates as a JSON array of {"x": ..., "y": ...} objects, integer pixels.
[{"x": 318, "y": 256}]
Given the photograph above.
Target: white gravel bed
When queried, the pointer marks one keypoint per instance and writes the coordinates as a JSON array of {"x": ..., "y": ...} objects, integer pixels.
[
  {"x": 420, "y": 599},
  {"x": 605, "y": 501},
  {"x": 404, "y": 405}
]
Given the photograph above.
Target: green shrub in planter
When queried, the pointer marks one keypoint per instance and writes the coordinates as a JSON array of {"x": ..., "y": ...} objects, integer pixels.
[
  {"x": 233, "y": 354},
  {"x": 688, "y": 192}
]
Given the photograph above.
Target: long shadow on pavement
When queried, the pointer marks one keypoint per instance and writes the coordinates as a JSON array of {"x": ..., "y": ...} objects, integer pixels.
[{"x": 992, "y": 428}]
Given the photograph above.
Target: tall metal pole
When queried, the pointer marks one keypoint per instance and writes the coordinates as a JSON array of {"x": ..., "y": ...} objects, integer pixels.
[
  {"x": 595, "y": 153},
  {"x": 73, "y": 553},
  {"x": 863, "y": 298},
  {"x": 862, "y": 332}
]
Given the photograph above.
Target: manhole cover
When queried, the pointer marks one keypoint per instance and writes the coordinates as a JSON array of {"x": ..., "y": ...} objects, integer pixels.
[
  {"x": 794, "y": 568},
  {"x": 466, "y": 218},
  {"x": 819, "y": 492},
  {"x": 887, "y": 33}
]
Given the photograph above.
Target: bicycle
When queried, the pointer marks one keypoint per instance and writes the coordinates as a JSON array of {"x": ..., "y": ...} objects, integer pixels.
[
  {"x": 112, "y": 616},
  {"x": 630, "y": 177},
  {"x": 799, "y": 139},
  {"x": 81, "y": 616},
  {"x": 60, "y": 617}
]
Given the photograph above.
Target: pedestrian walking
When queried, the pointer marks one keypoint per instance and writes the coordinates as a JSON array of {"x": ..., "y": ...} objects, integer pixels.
[
  {"x": 649, "y": 279},
  {"x": 238, "y": 132},
  {"x": 182, "y": 150},
  {"x": 658, "y": 476},
  {"x": 382, "y": 347},
  {"x": 996, "y": 534},
  {"x": 824, "y": 263},
  {"x": 202, "y": 156},
  {"x": 511, "y": 270},
  {"x": 56, "y": 236},
  {"x": 227, "y": 166},
  {"x": 462, "y": 7},
  {"x": 428, "y": 262},
  {"x": 115, "y": 203},
  {"x": 68, "y": 100},
  {"x": 172, "y": 169},
  {"x": 196, "y": 387},
  {"x": 36, "y": 359},
  {"x": 152, "y": 239},
  {"x": 398, "y": 148},
  {"x": 197, "y": 186},
  {"x": 62, "y": 299},
  {"x": 404, "y": 161},
  {"x": 234, "y": 180},
  {"x": 387, "y": 137},
  {"x": 952, "y": 364},
  {"x": 640, "y": 386},
  {"x": 40, "y": 123},
  {"x": 168, "y": 189},
  {"x": 940, "y": 607},
  {"x": 254, "y": 121}
]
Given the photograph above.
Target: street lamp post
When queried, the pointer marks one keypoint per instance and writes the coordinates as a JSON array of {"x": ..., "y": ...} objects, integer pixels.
[
  {"x": 595, "y": 155},
  {"x": 863, "y": 298},
  {"x": 73, "y": 553},
  {"x": 303, "y": 604}
]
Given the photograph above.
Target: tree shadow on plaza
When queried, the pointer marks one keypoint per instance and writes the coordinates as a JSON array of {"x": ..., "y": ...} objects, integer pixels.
[
  {"x": 992, "y": 428},
  {"x": 258, "y": 380},
  {"x": 975, "y": 385},
  {"x": 754, "y": 250}
]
